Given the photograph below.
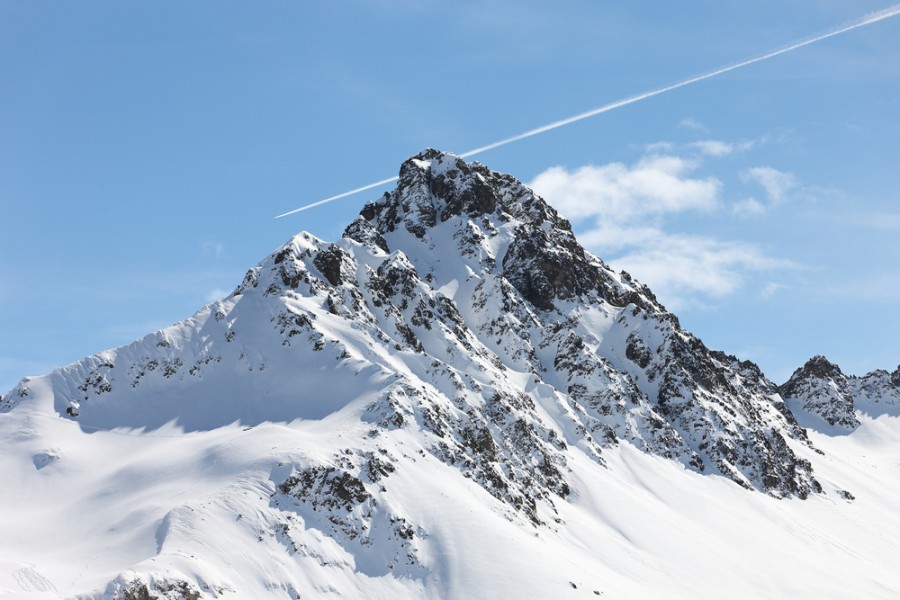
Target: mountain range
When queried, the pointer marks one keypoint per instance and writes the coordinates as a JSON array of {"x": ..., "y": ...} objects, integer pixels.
[{"x": 454, "y": 400}]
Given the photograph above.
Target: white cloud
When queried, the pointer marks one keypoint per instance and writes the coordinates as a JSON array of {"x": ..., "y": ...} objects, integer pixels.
[
  {"x": 776, "y": 183},
  {"x": 719, "y": 148},
  {"x": 693, "y": 124},
  {"x": 770, "y": 288},
  {"x": 681, "y": 268},
  {"x": 659, "y": 147},
  {"x": 621, "y": 210},
  {"x": 656, "y": 185},
  {"x": 749, "y": 207},
  {"x": 213, "y": 249}
]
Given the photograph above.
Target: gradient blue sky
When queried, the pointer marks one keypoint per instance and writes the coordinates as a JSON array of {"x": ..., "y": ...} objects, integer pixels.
[{"x": 145, "y": 148}]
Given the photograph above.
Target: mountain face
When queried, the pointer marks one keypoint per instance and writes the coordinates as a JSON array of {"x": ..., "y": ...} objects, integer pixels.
[
  {"x": 821, "y": 395},
  {"x": 457, "y": 331}
]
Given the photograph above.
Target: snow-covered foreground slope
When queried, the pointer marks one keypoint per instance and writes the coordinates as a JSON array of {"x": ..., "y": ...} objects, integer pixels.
[
  {"x": 204, "y": 508},
  {"x": 454, "y": 400}
]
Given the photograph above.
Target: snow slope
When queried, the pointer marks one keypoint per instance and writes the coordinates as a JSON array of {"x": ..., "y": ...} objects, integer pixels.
[{"x": 454, "y": 400}]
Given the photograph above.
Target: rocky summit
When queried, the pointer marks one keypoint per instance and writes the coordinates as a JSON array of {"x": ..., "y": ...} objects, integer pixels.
[
  {"x": 824, "y": 398},
  {"x": 457, "y": 332}
]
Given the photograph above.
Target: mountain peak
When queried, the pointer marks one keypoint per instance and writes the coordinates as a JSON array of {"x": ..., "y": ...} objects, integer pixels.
[
  {"x": 435, "y": 186},
  {"x": 823, "y": 397},
  {"x": 498, "y": 220},
  {"x": 819, "y": 392},
  {"x": 819, "y": 366}
]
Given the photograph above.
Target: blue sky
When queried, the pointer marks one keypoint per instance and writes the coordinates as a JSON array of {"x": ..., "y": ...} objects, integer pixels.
[{"x": 145, "y": 148}]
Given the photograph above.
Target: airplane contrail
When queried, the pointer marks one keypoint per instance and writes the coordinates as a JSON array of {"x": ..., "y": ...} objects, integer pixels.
[{"x": 861, "y": 22}]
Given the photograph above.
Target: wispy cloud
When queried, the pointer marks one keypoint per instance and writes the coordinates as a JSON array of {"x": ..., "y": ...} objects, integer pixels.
[
  {"x": 682, "y": 269},
  {"x": 748, "y": 207},
  {"x": 771, "y": 288},
  {"x": 659, "y": 148},
  {"x": 620, "y": 211},
  {"x": 777, "y": 184},
  {"x": 213, "y": 249},
  {"x": 719, "y": 148},
  {"x": 656, "y": 185},
  {"x": 693, "y": 125}
]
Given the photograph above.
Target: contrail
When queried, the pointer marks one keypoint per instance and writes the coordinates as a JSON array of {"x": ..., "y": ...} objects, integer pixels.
[
  {"x": 339, "y": 196},
  {"x": 861, "y": 22}
]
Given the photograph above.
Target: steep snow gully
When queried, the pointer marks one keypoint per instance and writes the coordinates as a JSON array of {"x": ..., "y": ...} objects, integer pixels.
[{"x": 454, "y": 400}]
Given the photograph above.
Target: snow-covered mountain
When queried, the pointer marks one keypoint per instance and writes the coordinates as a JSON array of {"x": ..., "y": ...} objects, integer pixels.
[
  {"x": 824, "y": 398},
  {"x": 453, "y": 400}
]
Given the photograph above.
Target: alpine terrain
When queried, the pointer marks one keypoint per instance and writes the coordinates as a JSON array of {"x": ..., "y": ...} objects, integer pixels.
[{"x": 454, "y": 400}]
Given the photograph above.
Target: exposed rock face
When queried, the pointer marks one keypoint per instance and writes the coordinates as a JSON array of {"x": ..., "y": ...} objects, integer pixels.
[
  {"x": 821, "y": 390},
  {"x": 877, "y": 392}
]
